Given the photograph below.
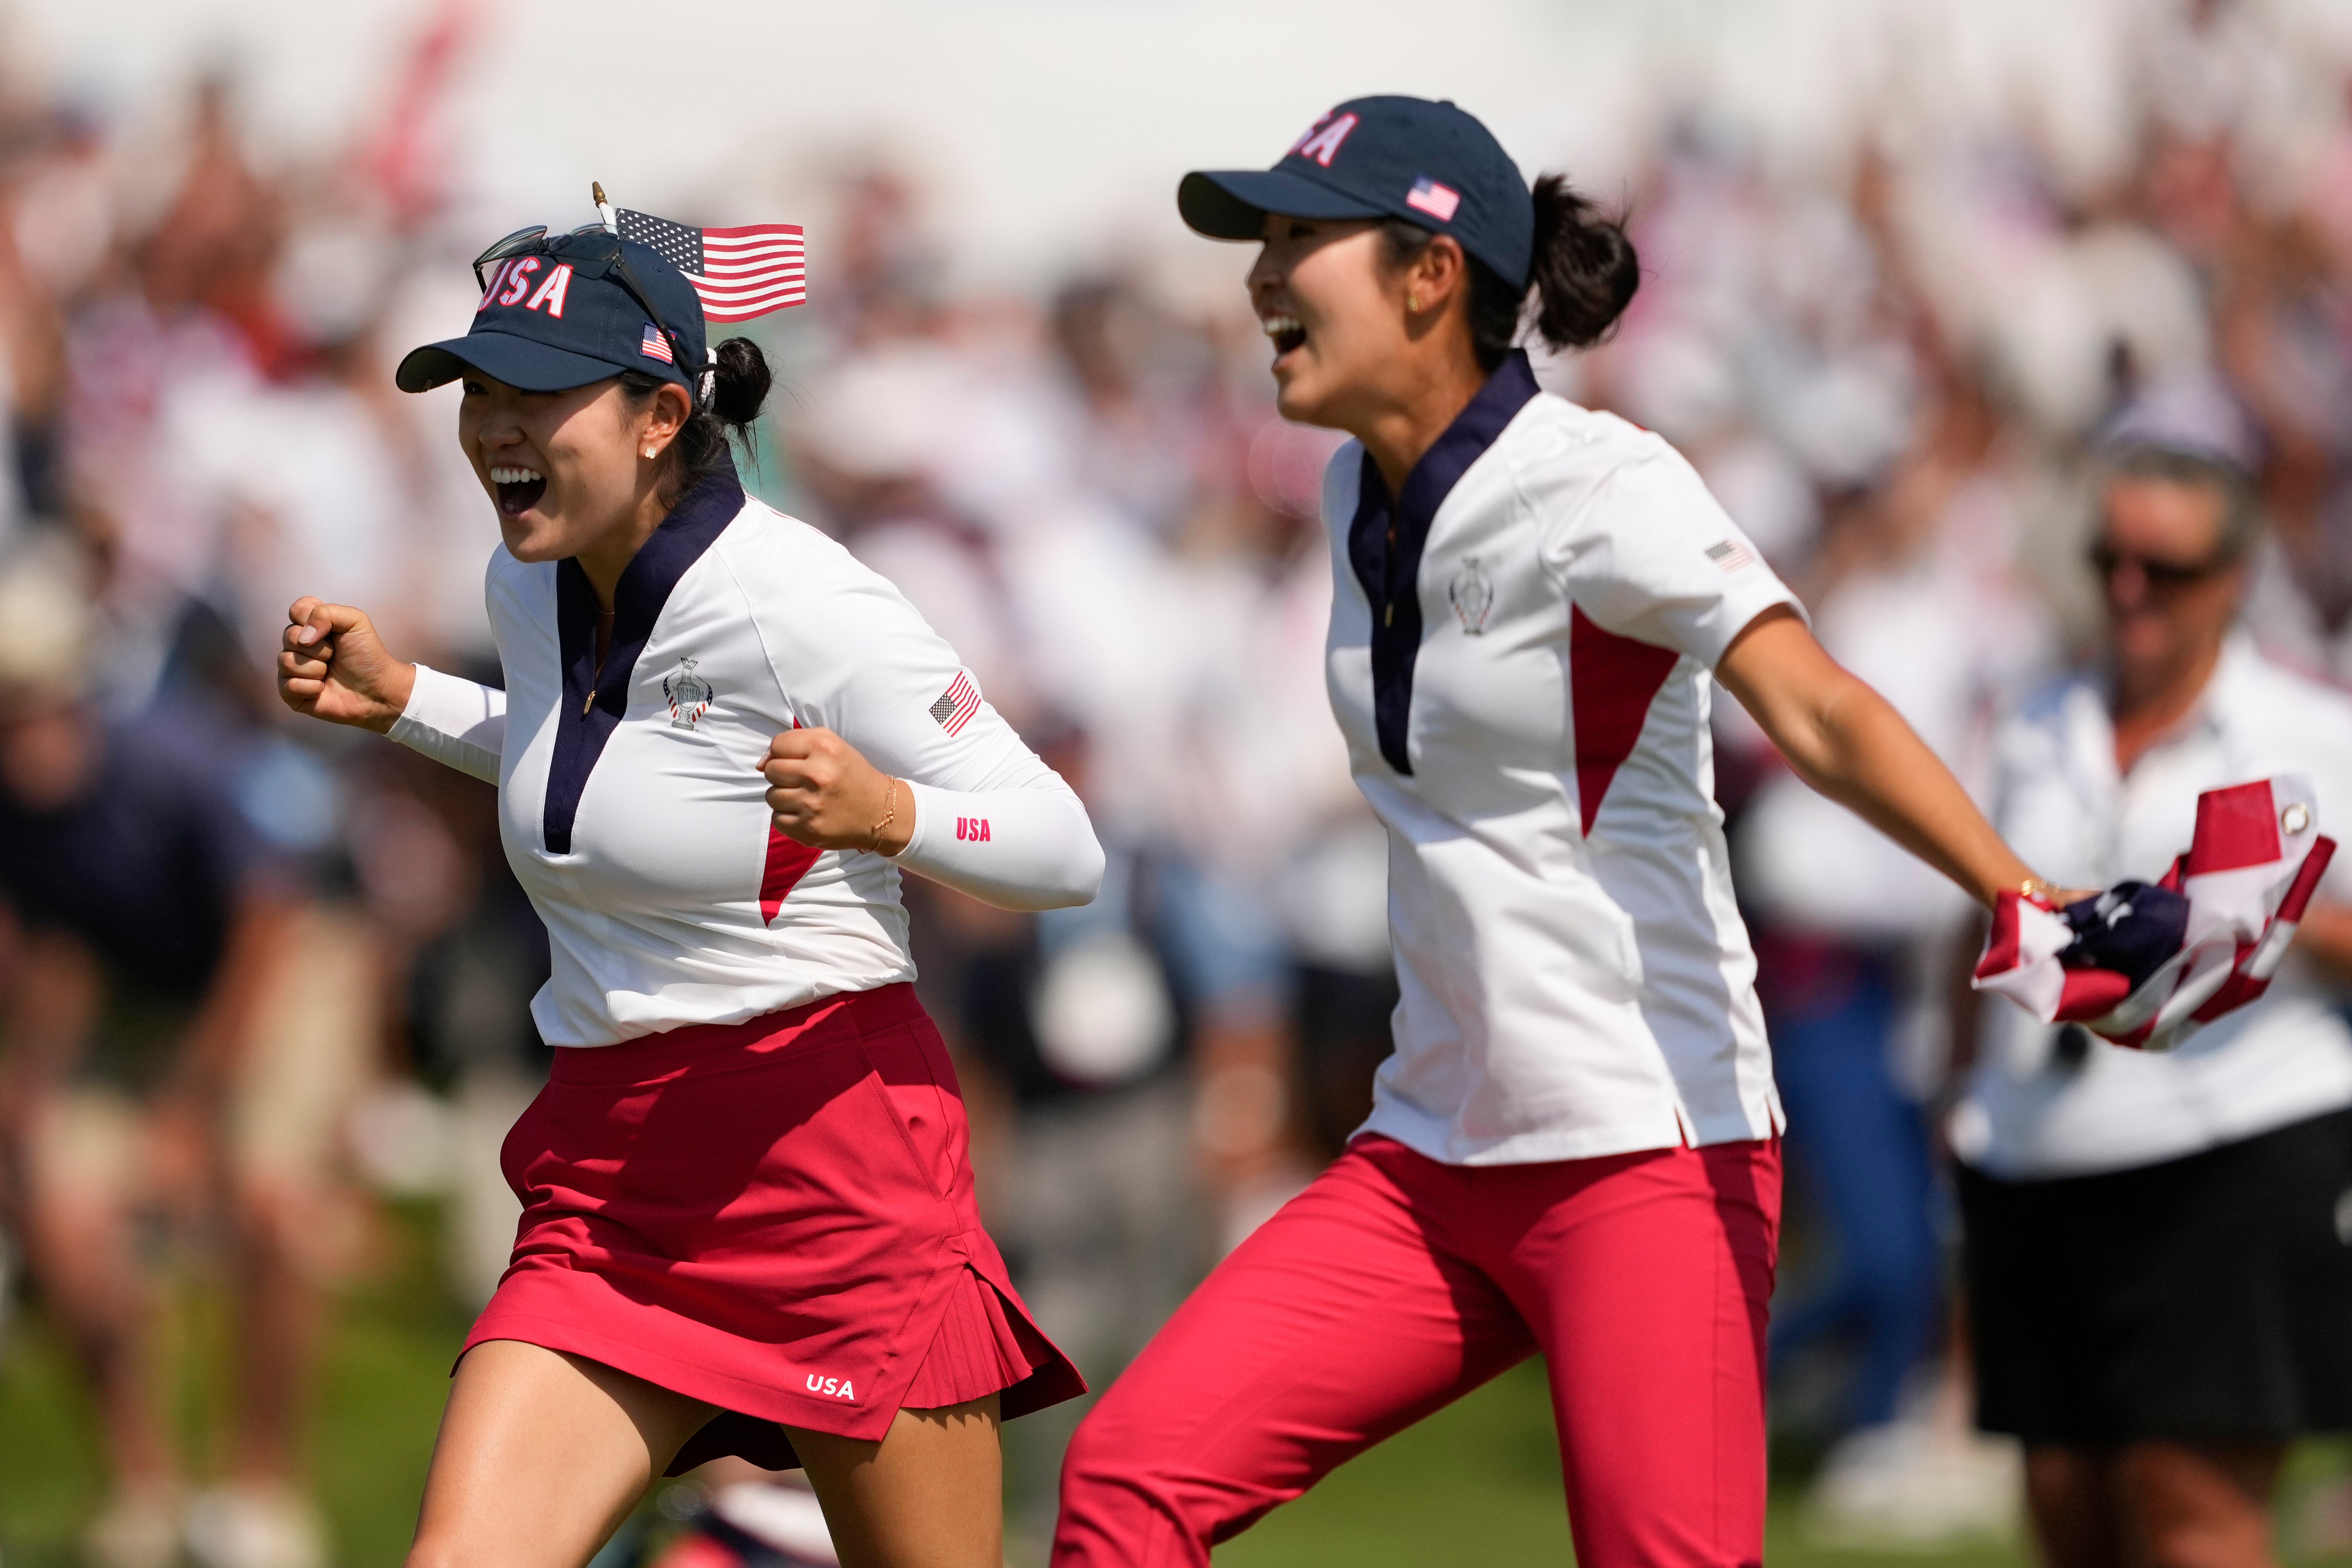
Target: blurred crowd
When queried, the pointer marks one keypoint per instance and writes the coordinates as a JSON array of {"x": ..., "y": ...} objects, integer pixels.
[{"x": 251, "y": 973}]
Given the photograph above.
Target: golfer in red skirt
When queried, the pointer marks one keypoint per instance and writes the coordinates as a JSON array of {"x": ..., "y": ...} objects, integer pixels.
[{"x": 748, "y": 1225}]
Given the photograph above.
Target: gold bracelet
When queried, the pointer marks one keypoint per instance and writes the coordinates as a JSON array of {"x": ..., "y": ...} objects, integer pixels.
[
  {"x": 2035, "y": 888},
  {"x": 888, "y": 815}
]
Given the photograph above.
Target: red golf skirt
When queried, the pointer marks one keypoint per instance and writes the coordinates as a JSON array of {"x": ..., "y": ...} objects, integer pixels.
[{"x": 776, "y": 1216}]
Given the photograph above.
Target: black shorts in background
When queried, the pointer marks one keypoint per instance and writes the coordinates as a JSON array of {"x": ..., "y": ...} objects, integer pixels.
[{"x": 2206, "y": 1297}]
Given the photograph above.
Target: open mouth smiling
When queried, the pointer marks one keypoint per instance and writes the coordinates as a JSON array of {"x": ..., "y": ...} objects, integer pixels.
[
  {"x": 518, "y": 487},
  {"x": 1286, "y": 332}
]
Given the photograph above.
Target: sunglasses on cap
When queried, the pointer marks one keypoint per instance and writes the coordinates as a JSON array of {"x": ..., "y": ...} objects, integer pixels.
[
  {"x": 592, "y": 251},
  {"x": 2107, "y": 561}
]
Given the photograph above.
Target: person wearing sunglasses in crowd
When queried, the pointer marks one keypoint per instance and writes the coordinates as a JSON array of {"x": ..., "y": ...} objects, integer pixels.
[
  {"x": 2156, "y": 1256},
  {"x": 1575, "y": 1147},
  {"x": 749, "y": 1222}
]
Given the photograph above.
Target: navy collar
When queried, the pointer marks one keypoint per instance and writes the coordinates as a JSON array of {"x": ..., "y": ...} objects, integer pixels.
[
  {"x": 1476, "y": 429},
  {"x": 594, "y": 707},
  {"x": 1385, "y": 541}
]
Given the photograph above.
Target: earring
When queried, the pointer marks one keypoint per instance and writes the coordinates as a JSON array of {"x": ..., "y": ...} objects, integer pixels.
[{"x": 1413, "y": 303}]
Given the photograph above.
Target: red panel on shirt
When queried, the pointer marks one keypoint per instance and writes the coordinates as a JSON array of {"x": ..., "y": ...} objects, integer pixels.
[
  {"x": 1611, "y": 682},
  {"x": 788, "y": 862}
]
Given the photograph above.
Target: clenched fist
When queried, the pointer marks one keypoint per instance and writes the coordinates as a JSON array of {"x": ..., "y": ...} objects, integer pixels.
[
  {"x": 828, "y": 796},
  {"x": 334, "y": 667}
]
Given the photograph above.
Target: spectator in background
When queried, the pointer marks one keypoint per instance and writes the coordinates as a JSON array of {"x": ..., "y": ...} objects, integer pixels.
[
  {"x": 2156, "y": 1259},
  {"x": 163, "y": 1061}
]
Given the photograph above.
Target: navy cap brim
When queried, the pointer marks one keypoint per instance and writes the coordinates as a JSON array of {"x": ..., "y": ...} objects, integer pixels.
[
  {"x": 521, "y": 363},
  {"x": 1232, "y": 204}
]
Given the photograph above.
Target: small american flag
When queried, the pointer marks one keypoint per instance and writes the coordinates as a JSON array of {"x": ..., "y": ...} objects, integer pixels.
[
  {"x": 656, "y": 346},
  {"x": 1438, "y": 201},
  {"x": 1730, "y": 554},
  {"x": 957, "y": 704},
  {"x": 2145, "y": 964},
  {"x": 738, "y": 273}
]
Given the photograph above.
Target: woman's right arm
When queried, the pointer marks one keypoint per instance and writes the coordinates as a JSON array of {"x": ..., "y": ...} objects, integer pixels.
[
  {"x": 334, "y": 667},
  {"x": 1847, "y": 741}
]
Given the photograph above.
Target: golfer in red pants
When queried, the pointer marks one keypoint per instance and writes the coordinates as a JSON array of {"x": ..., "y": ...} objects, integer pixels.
[{"x": 1575, "y": 1147}]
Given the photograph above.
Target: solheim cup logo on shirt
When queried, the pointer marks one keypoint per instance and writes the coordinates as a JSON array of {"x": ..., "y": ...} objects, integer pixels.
[
  {"x": 1472, "y": 593},
  {"x": 688, "y": 695}
]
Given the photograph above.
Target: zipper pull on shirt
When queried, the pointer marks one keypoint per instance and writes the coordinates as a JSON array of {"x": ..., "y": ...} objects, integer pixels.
[{"x": 604, "y": 648}]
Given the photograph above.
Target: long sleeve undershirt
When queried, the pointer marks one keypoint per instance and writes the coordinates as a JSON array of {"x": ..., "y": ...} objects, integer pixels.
[{"x": 1014, "y": 835}]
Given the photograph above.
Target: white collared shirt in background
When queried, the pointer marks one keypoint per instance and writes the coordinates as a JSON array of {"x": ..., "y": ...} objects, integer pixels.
[{"x": 2033, "y": 1110}]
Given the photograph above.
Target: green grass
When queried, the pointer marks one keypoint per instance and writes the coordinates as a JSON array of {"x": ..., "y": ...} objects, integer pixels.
[
  {"x": 48, "y": 1448},
  {"x": 1476, "y": 1484},
  {"x": 378, "y": 1401}
]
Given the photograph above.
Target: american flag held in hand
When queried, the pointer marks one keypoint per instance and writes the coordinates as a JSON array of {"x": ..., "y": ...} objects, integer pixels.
[
  {"x": 738, "y": 273},
  {"x": 2146, "y": 964}
]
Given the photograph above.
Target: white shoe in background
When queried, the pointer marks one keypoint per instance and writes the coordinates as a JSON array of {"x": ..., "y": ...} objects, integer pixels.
[
  {"x": 138, "y": 1527},
  {"x": 1916, "y": 1485},
  {"x": 250, "y": 1526}
]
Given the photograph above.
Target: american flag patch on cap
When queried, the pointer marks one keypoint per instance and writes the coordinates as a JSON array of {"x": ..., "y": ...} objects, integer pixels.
[
  {"x": 656, "y": 346},
  {"x": 1438, "y": 201},
  {"x": 1730, "y": 554},
  {"x": 957, "y": 704}
]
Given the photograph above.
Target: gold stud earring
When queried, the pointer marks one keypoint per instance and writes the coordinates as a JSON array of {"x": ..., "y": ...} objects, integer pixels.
[{"x": 1413, "y": 303}]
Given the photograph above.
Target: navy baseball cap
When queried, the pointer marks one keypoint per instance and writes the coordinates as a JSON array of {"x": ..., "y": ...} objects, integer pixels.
[
  {"x": 556, "y": 314},
  {"x": 1428, "y": 164}
]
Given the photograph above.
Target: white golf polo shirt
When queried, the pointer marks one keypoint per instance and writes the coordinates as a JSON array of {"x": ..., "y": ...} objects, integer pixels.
[
  {"x": 2037, "y": 1107},
  {"x": 630, "y": 801},
  {"x": 1520, "y": 658}
]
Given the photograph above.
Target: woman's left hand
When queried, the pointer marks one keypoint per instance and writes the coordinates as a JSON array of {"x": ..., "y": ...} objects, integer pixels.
[{"x": 826, "y": 795}]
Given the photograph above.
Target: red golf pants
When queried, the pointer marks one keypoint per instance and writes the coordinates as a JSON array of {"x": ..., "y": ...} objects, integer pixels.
[{"x": 1394, "y": 1285}]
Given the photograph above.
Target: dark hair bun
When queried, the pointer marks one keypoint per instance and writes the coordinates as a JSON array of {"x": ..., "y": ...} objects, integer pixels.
[
  {"x": 1584, "y": 271},
  {"x": 741, "y": 385}
]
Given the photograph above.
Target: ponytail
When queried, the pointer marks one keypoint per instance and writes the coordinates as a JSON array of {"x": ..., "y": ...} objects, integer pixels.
[
  {"x": 739, "y": 386},
  {"x": 1582, "y": 276},
  {"x": 1584, "y": 271},
  {"x": 740, "y": 380}
]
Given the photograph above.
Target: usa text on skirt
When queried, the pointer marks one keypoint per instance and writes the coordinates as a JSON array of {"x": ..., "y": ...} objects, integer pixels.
[{"x": 776, "y": 1216}]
